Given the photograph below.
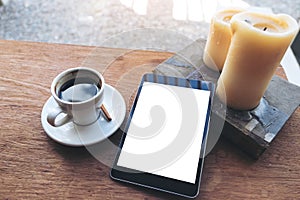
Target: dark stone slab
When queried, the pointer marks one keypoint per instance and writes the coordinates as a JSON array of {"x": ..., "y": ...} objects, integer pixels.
[
  {"x": 252, "y": 131},
  {"x": 296, "y": 47}
]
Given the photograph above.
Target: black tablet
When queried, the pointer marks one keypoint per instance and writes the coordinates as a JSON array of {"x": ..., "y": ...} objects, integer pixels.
[{"x": 164, "y": 140}]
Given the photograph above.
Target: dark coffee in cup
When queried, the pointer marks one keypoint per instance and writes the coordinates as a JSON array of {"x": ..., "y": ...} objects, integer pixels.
[
  {"x": 78, "y": 90},
  {"x": 79, "y": 93}
]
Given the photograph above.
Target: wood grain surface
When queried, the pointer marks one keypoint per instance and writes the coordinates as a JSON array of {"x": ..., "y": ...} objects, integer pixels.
[{"x": 32, "y": 166}]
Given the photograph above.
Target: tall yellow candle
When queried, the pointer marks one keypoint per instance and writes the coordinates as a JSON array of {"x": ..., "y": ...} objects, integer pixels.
[
  {"x": 258, "y": 44},
  {"x": 219, "y": 38}
]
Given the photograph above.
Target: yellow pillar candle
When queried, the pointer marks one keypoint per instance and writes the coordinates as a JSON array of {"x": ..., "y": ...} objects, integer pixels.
[
  {"x": 258, "y": 43},
  {"x": 219, "y": 38}
]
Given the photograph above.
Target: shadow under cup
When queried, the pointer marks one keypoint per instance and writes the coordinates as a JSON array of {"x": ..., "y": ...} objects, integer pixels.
[{"x": 79, "y": 95}]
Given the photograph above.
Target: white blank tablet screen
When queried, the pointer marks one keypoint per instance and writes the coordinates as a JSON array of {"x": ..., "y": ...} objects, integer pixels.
[{"x": 166, "y": 131}]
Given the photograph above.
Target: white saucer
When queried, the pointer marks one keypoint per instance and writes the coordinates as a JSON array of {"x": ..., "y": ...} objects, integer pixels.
[{"x": 73, "y": 135}]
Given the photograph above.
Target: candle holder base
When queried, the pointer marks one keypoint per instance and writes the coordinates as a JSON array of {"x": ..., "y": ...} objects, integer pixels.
[{"x": 252, "y": 131}]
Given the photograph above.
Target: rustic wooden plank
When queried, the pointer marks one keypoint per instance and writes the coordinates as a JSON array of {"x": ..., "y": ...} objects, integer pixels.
[
  {"x": 32, "y": 166},
  {"x": 252, "y": 131}
]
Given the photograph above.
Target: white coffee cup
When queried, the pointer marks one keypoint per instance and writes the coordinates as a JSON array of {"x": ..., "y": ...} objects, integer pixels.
[{"x": 79, "y": 95}]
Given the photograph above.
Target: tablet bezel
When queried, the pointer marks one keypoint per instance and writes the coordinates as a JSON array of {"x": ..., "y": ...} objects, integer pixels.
[{"x": 157, "y": 182}]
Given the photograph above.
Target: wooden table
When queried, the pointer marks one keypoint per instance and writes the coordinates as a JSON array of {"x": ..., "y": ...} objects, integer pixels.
[{"x": 32, "y": 166}]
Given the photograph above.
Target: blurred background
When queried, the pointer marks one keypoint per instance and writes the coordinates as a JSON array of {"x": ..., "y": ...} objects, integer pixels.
[{"x": 160, "y": 24}]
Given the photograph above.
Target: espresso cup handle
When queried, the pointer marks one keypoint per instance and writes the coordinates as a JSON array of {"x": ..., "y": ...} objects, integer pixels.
[{"x": 54, "y": 114}]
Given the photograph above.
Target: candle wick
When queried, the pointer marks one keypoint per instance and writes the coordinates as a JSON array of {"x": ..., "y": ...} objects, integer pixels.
[
  {"x": 248, "y": 21},
  {"x": 265, "y": 28}
]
